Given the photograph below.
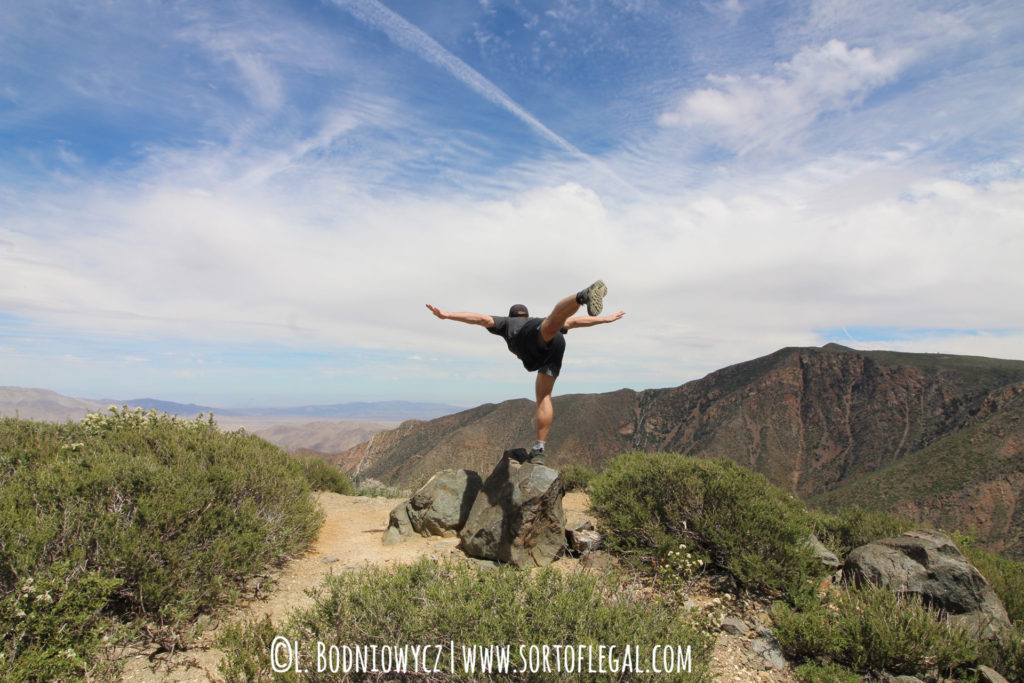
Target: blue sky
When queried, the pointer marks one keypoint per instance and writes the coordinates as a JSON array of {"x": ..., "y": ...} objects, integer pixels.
[{"x": 250, "y": 203}]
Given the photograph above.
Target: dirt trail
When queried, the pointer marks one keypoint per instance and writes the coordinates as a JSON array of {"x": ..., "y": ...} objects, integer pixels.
[{"x": 351, "y": 538}]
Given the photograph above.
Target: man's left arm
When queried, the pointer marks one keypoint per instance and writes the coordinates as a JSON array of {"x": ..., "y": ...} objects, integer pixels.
[{"x": 591, "y": 320}]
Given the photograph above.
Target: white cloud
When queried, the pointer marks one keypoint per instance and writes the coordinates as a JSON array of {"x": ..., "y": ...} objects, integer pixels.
[
  {"x": 768, "y": 110},
  {"x": 717, "y": 278}
]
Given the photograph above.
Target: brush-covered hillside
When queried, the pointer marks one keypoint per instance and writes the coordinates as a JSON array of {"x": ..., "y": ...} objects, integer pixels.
[{"x": 971, "y": 479}]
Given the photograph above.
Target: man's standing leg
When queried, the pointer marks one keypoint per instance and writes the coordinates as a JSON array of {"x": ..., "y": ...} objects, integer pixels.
[{"x": 545, "y": 414}]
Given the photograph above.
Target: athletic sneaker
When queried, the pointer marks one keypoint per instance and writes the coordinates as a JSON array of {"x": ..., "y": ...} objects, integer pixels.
[
  {"x": 536, "y": 457},
  {"x": 593, "y": 297}
]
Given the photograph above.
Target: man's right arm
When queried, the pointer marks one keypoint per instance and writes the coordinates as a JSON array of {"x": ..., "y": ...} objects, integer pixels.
[
  {"x": 590, "y": 320},
  {"x": 463, "y": 317}
]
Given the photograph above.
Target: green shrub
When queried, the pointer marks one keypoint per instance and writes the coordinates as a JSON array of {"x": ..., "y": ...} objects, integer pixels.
[
  {"x": 323, "y": 476},
  {"x": 856, "y": 526},
  {"x": 440, "y": 603},
  {"x": 652, "y": 502},
  {"x": 1007, "y": 655},
  {"x": 874, "y": 629},
  {"x": 577, "y": 477},
  {"x": 51, "y": 625},
  {"x": 169, "y": 516},
  {"x": 813, "y": 672},
  {"x": 1005, "y": 575}
]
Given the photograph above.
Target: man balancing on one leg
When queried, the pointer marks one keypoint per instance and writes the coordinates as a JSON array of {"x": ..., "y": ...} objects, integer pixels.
[{"x": 539, "y": 343}]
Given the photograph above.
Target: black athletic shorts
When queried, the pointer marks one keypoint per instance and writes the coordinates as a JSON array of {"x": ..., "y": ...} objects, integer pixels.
[{"x": 536, "y": 354}]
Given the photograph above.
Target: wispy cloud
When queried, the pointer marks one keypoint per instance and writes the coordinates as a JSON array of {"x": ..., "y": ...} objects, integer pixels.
[
  {"x": 769, "y": 110},
  {"x": 409, "y": 37}
]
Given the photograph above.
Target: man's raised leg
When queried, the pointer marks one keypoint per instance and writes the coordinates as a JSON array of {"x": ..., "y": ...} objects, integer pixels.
[
  {"x": 555, "y": 321},
  {"x": 567, "y": 307}
]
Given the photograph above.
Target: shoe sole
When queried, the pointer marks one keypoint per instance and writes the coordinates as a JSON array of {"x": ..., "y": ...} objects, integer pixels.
[{"x": 595, "y": 297}]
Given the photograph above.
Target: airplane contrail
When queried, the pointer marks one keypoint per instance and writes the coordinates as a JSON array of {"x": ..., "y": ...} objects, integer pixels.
[{"x": 411, "y": 38}]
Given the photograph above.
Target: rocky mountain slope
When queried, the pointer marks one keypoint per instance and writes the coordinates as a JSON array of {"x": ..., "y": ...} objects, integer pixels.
[
  {"x": 592, "y": 428},
  {"x": 809, "y": 419},
  {"x": 972, "y": 479}
]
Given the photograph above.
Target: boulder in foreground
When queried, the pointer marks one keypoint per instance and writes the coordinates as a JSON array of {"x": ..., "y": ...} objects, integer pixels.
[
  {"x": 517, "y": 516},
  {"x": 928, "y": 564}
]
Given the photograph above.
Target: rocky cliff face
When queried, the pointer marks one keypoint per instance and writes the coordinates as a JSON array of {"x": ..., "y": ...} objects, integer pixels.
[{"x": 809, "y": 419}]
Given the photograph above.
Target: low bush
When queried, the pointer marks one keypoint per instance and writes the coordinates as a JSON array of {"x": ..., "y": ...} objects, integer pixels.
[
  {"x": 430, "y": 603},
  {"x": 874, "y": 629},
  {"x": 52, "y": 626},
  {"x": 136, "y": 516},
  {"x": 650, "y": 503},
  {"x": 577, "y": 477},
  {"x": 323, "y": 476},
  {"x": 813, "y": 672},
  {"x": 1005, "y": 575},
  {"x": 1007, "y": 655},
  {"x": 853, "y": 527}
]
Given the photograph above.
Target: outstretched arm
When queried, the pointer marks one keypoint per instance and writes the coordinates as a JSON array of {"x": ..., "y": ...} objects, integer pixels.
[
  {"x": 469, "y": 318},
  {"x": 591, "y": 320}
]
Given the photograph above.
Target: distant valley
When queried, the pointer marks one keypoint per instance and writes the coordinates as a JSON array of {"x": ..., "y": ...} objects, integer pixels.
[{"x": 323, "y": 428}]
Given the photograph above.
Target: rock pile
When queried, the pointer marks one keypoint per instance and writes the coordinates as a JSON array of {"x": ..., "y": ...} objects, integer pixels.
[{"x": 514, "y": 516}]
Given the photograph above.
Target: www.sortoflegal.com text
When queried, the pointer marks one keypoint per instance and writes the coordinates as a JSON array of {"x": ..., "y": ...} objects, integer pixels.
[{"x": 290, "y": 655}]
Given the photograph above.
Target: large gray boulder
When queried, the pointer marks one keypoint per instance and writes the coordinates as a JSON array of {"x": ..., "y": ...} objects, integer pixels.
[
  {"x": 439, "y": 508},
  {"x": 928, "y": 564},
  {"x": 517, "y": 516}
]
